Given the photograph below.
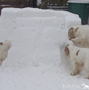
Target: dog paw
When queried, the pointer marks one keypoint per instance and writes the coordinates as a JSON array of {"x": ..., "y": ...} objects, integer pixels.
[
  {"x": 72, "y": 74},
  {"x": 86, "y": 77}
]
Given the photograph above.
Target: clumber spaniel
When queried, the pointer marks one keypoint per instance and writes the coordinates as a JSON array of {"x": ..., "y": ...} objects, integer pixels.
[
  {"x": 79, "y": 57},
  {"x": 79, "y": 35},
  {"x": 4, "y": 47}
]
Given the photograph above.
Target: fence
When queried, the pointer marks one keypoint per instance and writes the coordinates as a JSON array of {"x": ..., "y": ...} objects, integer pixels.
[
  {"x": 59, "y": 3},
  {"x": 13, "y": 3},
  {"x": 32, "y": 3}
]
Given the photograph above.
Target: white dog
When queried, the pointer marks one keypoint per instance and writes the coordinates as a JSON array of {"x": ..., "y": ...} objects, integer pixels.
[
  {"x": 79, "y": 35},
  {"x": 4, "y": 47},
  {"x": 79, "y": 57}
]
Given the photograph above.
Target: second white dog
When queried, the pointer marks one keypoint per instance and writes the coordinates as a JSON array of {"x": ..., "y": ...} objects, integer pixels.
[{"x": 79, "y": 57}]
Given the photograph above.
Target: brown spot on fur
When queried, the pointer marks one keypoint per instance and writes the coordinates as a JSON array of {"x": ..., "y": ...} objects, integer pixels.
[
  {"x": 77, "y": 53},
  {"x": 1, "y": 43},
  {"x": 66, "y": 50},
  {"x": 71, "y": 33}
]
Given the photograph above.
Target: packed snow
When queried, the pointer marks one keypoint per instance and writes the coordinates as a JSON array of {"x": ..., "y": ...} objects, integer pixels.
[
  {"x": 78, "y": 1},
  {"x": 36, "y": 60}
]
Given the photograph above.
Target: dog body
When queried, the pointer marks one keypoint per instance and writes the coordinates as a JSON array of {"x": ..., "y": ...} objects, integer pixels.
[
  {"x": 79, "y": 57},
  {"x": 79, "y": 35},
  {"x": 4, "y": 47}
]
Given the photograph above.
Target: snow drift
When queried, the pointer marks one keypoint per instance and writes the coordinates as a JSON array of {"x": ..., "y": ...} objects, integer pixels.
[
  {"x": 36, "y": 60},
  {"x": 10, "y": 18}
]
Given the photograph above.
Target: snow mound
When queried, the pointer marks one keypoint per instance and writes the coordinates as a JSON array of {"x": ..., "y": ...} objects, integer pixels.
[
  {"x": 37, "y": 60},
  {"x": 43, "y": 22},
  {"x": 10, "y": 17},
  {"x": 33, "y": 46}
]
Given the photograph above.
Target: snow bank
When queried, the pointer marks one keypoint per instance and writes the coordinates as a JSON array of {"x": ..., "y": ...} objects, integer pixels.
[
  {"x": 41, "y": 26},
  {"x": 36, "y": 60},
  {"x": 43, "y": 22},
  {"x": 79, "y": 1},
  {"x": 33, "y": 46},
  {"x": 10, "y": 17},
  {"x": 35, "y": 33}
]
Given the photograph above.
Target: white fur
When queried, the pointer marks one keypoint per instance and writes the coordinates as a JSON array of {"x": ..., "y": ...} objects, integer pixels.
[
  {"x": 82, "y": 30},
  {"x": 4, "y": 50},
  {"x": 81, "y": 36},
  {"x": 79, "y": 59}
]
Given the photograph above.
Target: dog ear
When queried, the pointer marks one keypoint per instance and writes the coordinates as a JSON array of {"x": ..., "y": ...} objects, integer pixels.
[
  {"x": 71, "y": 33},
  {"x": 70, "y": 30},
  {"x": 76, "y": 29},
  {"x": 67, "y": 50}
]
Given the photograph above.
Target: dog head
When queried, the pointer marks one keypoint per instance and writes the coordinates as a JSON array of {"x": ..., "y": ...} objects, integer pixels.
[
  {"x": 66, "y": 50},
  {"x": 71, "y": 33}
]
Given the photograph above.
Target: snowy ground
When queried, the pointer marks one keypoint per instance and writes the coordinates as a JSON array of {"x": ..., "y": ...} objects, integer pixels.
[{"x": 37, "y": 61}]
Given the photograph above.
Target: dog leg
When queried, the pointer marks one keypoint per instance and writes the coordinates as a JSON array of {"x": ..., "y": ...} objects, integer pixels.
[
  {"x": 86, "y": 77},
  {"x": 75, "y": 69},
  {"x": 87, "y": 70}
]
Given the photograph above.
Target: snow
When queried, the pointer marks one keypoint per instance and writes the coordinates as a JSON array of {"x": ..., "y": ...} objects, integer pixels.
[
  {"x": 36, "y": 60},
  {"x": 79, "y": 1},
  {"x": 10, "y": 17},
  {"x": 38, "y": 2}
]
